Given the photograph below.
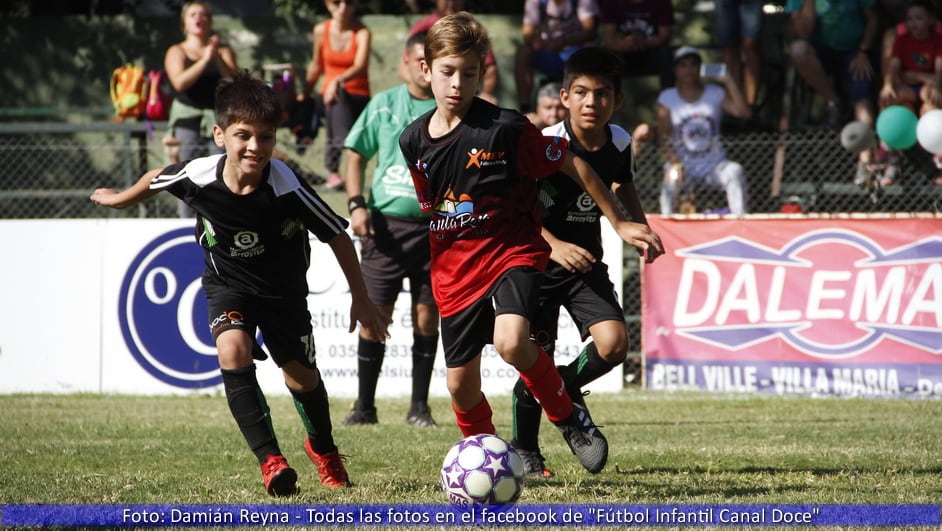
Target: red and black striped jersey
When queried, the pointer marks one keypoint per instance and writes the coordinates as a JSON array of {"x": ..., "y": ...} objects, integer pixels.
[{"x": 479, "y": 181}]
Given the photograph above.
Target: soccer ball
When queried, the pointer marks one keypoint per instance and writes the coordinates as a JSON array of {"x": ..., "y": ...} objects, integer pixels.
[{"x": 482, "y": 470}]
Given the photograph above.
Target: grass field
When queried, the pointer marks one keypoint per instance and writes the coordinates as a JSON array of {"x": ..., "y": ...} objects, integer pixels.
[{"x": 665, "y": 448}]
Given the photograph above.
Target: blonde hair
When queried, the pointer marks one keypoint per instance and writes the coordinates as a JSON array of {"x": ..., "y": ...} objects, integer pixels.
[
  {"x": 187, "y": 6},
  {"x": 456, "y": 35}
]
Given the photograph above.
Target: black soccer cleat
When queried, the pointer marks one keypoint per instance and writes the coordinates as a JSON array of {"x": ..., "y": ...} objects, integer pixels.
[{"x": 584, "y": 439}]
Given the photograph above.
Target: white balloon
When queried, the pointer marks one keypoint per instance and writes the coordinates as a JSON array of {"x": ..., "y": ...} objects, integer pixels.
[{"x": 929, "y": 131}]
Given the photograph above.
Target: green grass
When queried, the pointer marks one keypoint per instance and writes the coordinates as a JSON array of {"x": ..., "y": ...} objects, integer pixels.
[{"x": 665, "y": 448}]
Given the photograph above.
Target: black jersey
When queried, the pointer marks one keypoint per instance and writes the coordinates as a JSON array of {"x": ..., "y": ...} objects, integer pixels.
[
  {"x": 570, "y": 213},
  {"x": 256, "y": 243}
]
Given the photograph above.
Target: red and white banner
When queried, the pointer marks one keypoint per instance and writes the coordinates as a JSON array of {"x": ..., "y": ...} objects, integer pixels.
[{"x": 829, "y": 306}]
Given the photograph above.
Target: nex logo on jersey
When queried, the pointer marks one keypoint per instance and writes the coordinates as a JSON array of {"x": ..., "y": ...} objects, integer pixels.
[
  {"x": 830, "y": 294},
  {"x": 479, "y": 157}
]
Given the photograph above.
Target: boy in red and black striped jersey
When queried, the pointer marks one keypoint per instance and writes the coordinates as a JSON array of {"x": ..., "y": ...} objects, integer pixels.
[{"x": 475, "y": 166}]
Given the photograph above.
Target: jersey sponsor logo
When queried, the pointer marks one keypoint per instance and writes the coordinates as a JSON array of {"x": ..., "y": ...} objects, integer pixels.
[
  {"x": 246, "y": 244},
  {"x": 456, "y": 214},
  {"x": 480, "y": 158},
  {"x": 163, "y": 312},
  {"x": 830, "y": 294}
]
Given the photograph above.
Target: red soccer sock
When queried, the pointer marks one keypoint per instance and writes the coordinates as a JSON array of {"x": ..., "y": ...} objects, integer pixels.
[
  {"x": 476, "y": 420},
  {"x": 547, "y": 387}
]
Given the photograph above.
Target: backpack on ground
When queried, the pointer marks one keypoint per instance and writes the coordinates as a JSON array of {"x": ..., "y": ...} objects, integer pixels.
[
  {"x": 128, "y": 94},
  {"x": 159, "y": 96}
]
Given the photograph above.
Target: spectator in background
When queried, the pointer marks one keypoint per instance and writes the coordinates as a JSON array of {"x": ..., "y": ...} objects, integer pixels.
[
  {"x": 341, "y": 55},
  {"x": 837, "y": 37},
  {"x": 393, "y": 234},
  {"x": 688, "y": 128},
  {"x": 641, "y": 31},
  {"x": 549, "y": 107},
  {"x": 913, "y": 75},
  {"x": 490, "y": 80},
  {"x": 737, "y": 27},
  {"x": 552, "y": 31},
  {"x": 194, "y": 66}
]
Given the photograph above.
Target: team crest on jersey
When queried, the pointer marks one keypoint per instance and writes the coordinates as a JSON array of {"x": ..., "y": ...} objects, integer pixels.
[
  {"x": 480, "y": 158},
  {"x": 555, "y": 150}
]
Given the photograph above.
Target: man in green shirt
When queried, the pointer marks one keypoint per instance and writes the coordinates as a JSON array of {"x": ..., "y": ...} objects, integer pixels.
[{"x": 393, "y": 234}]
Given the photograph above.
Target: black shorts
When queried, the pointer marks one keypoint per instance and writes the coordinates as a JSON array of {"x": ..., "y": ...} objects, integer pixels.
[
  {"x": 399, "y": 249},
  {"x": 465, "y": 333},
  {"x": 589, "y": 298},
  {"x": 285, "y": 324}
]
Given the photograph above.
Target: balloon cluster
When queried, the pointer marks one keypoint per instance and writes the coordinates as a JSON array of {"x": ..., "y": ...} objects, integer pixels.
[{"x": 898, "y": 128}]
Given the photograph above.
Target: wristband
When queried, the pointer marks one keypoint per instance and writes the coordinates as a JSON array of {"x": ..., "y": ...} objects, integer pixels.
[{"x": 355, "y": 202}]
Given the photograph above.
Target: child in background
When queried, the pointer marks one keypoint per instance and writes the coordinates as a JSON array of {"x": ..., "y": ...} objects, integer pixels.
[
  {"x": 252, "y": 219},
  {"x": 576, "y": 278},
  {"x": 475, "y": 167},
  {"x": 913, "y": 76}
]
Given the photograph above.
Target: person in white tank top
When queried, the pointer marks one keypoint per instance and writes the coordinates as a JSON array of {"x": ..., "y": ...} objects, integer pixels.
[{"x": 688, "y": 118}]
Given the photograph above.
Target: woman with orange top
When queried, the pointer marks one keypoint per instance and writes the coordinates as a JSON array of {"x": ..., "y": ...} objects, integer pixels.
[{"x": 341, "y": 55}]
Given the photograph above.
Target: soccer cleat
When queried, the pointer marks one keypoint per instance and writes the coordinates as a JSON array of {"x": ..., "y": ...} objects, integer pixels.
[
  {"x": 280, "y": 479},
  {"x": 420, "y": 416},
  {"x": 358, "y": 415},
  {"x": 534, "y": 465},
  {"x": 329, "y": 467},
  {"x": 584, "y": 439}
]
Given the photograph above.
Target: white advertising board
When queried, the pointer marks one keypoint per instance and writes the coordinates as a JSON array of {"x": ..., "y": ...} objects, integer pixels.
[{"x": 116, "y": 306}]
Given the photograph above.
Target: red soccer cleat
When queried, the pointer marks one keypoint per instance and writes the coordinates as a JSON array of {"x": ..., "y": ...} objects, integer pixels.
[
  {"x": 280, "y": 479},
  {"x": 329, "y": 467}
]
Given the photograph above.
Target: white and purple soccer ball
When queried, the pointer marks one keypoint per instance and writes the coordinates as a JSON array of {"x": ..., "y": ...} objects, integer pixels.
[{"x": 482, "y": 470}]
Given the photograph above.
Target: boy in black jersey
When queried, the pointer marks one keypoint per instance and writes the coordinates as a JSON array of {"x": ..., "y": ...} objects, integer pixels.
[
  {"x": 253, "y": 216},
  {"x": 576, "y": 277},
  {"x": 475, "y": 167}
]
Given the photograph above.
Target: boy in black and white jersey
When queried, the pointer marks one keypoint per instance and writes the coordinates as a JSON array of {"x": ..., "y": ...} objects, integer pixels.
[
  {"x": 253, "y": 216},
  {"x": 576, "y": 278}
]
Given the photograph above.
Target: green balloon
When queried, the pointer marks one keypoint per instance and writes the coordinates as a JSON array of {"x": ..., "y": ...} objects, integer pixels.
[{"x": 896, "y": 127}]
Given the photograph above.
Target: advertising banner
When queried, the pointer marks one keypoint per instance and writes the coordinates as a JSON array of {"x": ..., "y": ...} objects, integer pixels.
[
  {"x": 117, "y": 306},
  {"x": 838, "y": 306}
]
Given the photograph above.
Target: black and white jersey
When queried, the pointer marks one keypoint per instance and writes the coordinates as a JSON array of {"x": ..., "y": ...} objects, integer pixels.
[
  {"x": 570, "y": 213},
  {"x": 256, "y": 243}
]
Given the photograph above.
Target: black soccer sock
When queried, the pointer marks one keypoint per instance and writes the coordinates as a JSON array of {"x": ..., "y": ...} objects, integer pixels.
[
  {"x": 526, "y": 417},
  {"x": 424, "y": 349},
  {"x": 250, "y": 410},
  {"x": 369, "y": 364},
  {"x": 587, "y": 367},
  {"x": 314, "y": 409}
]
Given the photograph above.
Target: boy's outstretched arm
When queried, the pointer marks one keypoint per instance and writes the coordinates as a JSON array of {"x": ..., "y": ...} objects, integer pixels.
[
  {"x": 131, "y": 196},
  {"x": 374, "y": 322},
  {"x": 636, "y": 234}
]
